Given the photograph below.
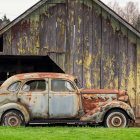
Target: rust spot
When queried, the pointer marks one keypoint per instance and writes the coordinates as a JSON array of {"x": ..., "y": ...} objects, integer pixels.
[
  {"x": 34, "y": 102},
  {"x": 43, "y": 94},
  {"x": 100, "y": 110},
  {"x": 43, "y": 75},
  {"x": 4, "y": 93},
  {"x": 100, "y": 91},
  {"x": 106, "y": 98},
  {"x": 123, "y": 98},
  {"x": 114, "y": 98},
  {"x": 91, "y": 101},
  {"x": 29, "y": 99},
  {"x": 108, "y": 22},
  {"x": 20, "y": 28},
  {"x": 122, "y": 92}
]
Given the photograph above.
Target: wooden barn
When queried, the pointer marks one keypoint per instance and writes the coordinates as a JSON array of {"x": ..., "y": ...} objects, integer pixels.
[{"x": 80, "y": 37}]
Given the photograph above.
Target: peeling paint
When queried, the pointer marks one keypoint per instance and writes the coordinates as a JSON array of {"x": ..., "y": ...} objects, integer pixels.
[
  {"x": 37, "y": 103},
  {"x": 77, "y": 41}
]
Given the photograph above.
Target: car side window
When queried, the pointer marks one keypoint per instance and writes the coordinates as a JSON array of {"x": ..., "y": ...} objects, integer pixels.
[
  {"x": 14, "y": 86},
  {"x": 34, "y": 85},
  {"x": 61, "y": 85}
]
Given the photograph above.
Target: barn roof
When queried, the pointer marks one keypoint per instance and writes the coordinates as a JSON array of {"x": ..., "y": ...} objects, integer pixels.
[{"x": 41, "y": 2}]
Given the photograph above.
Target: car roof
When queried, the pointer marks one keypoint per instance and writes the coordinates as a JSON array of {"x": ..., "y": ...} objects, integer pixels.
[
  {"x": 39, "y": 75},
  {"x": 43, "y": 75}
]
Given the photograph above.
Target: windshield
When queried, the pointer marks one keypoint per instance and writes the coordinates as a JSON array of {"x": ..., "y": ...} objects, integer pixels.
[{"x": 78, "y": 84}]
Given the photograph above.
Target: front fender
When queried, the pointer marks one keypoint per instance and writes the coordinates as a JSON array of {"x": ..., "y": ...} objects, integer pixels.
[
  {"x": 16, "y": 106},
  {"x": 97, "y": 114}
]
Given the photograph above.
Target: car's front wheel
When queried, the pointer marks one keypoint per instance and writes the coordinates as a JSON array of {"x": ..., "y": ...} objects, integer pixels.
[
  {"x": 116, "y": 118},
  {"x": 12, "y": 118}
]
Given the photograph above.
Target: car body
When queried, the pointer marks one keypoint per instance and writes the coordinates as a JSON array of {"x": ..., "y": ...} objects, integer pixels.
[{"x": 55, "y": 97}]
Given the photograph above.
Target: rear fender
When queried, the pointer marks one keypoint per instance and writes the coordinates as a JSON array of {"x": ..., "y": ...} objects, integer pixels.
[
  {"x": 10, "y": 106},
  {"x": 97, "y": 114}
]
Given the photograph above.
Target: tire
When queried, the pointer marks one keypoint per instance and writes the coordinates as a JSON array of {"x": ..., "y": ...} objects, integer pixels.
[
  {"x": 13, "y": 118},
  {"x": 116, "y": 118}
]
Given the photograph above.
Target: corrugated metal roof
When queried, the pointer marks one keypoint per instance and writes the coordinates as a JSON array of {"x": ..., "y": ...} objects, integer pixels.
[{"x": 37, "y": 5}]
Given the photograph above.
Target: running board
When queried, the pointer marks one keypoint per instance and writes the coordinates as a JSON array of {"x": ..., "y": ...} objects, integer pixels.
[{"x": 70, "y": 122}]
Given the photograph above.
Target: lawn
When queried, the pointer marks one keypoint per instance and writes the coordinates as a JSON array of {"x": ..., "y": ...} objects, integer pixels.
[{"x": 68, "y": 133}]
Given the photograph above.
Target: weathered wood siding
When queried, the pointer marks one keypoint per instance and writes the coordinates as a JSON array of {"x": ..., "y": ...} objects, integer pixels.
[{"x": 84, "y": 40}]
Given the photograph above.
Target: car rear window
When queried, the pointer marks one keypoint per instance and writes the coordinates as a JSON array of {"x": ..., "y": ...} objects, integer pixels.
[{"x": 14, "y": 86}]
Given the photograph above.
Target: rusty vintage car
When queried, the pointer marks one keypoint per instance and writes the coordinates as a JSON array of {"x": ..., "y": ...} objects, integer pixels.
[{"x": 54, "y": 97}]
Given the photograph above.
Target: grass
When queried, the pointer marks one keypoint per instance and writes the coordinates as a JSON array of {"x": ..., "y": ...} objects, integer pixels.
[{"x": 68, "y": 133}]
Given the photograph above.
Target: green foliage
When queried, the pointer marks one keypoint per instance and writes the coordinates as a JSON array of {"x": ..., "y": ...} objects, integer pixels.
[
  {"x": 4, "y": 21},
  {"x": 68, "y": 133}
]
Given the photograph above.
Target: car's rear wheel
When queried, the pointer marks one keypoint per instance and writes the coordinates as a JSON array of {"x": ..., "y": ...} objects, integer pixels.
[
  {"x": 13, "y": 118},
  {"x": 116, "y": 118}
]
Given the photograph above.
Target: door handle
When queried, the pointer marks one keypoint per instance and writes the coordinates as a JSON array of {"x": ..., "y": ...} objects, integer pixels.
[{"x": 18, "y": 99}]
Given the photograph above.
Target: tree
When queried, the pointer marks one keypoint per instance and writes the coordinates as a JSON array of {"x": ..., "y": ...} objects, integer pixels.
[
  {"x": 129, "y": 12},
  {"x": 4, "y": 21},
  {"x": 137, "y": 25},
  {"x": 117, "y": 8}
]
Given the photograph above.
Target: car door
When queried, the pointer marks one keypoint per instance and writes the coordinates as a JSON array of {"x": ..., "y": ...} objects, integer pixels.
[
  {"x": 34, "y": 96},
  {"x": 63, "y": 99}
]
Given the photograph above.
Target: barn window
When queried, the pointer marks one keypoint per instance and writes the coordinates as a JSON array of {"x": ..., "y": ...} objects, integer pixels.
[{"x": 1, "y": 43}]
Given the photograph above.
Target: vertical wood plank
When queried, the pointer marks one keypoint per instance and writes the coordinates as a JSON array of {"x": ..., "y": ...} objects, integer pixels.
[
  {"x": 15, "y": 38},
  {"x": 114, "y": 55},
  {"x": 7, "y": 44},
  {"x": 105, "y": 66},
  {"x": 123, "y": 60},
  {"x": 48, "y": 25},
  {"x": 96, "y": 47},
  {"x": 51, "y": 27},
  {"x": 34, "y": 33},
  {"x": 138, "y": 72},
  {"x": 131, "y": 80},
  {"x": 78, "y": 49},
  {"x": 24, "y": 43},
  {"x": 61, "y": 60},
  {"x": 43, "y": 15},
  {"x": 61, "y": 28},
  {"x": 70, "y": 33},
  {"x": 87, "y": 59}
]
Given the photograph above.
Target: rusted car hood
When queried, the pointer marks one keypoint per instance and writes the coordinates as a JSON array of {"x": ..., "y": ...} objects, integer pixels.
[
  {"x": 98, "y": 91},
  {"x": 92, "y": 98}
]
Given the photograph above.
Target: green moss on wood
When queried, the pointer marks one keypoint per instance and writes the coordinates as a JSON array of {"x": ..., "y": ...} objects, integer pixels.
[
  {"x": 88, "y": 3},
  {"x": 96, "y": 8},
  {"x": 105, "y": 14},
  {"x": 131, "y": 37},
  {"x": 56, "y": 1},
  {"x": 138, "y": 42},
  {"x": 123, "y": 30},
  {"x": 115, "y": 24}
]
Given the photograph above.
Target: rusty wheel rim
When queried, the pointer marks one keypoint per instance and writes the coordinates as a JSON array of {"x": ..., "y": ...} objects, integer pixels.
[
  {"x": 116, "y": 119},
  {"x": 12, "y": 119}
]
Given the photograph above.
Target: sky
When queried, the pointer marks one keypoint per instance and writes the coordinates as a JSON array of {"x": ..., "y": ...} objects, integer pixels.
[
  {"x": 121, "y": 2},
  {"x": 14, "y": 8}
]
